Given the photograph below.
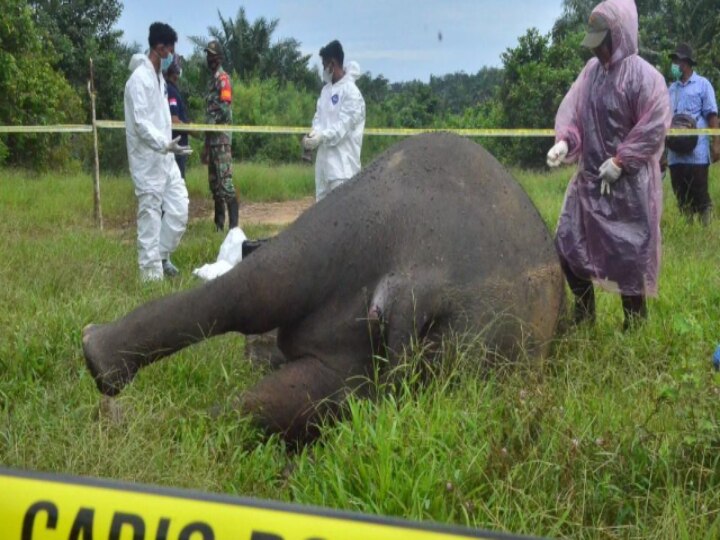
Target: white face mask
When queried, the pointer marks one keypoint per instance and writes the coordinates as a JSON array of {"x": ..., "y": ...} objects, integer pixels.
[{"x": 327, "y": 75}]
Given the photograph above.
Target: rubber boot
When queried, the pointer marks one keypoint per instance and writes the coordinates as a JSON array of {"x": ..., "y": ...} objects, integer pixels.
[
  {"x": 584, "y": 294},
  {"x": 232, "y": 206},
  {"x": 219, "y": 215},
  {"x": 634, "y": 310},
  {"x": 585, "y": 306}
]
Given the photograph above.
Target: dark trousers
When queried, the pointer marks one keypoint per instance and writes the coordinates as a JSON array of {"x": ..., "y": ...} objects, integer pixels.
[
  {"x": 181, "y": 162},
  {"x": 690, "y": 184},
  {"x": 634, "y": 307}
]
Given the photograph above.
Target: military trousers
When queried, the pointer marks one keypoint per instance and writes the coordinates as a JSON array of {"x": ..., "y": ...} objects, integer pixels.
[{"x": 220, "y": 173}]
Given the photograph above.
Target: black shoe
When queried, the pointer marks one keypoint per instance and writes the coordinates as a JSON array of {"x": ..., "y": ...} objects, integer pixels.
[{"x": 169, "y": 269}]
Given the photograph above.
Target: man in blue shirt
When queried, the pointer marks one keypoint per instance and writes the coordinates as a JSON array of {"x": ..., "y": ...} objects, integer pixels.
[
  {"x": 178, "y": 111},
  {"x": 694, "y": 95}
]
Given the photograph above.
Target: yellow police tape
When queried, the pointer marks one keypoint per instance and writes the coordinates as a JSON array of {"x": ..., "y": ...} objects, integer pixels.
[
  {"x": 37, "y": 506},
  {"x": 295, "y": 130},
  {"x": 58, "y": 128}
]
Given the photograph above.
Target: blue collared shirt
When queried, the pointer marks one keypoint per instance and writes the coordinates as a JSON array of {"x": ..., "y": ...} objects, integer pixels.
[{"x": 696, "y": 97}]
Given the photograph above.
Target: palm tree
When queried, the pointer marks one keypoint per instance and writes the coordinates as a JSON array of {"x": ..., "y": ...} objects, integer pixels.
[{"x": 249, "y": 51}]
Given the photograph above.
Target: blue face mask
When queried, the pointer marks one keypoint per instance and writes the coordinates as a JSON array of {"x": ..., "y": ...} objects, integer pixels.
[
  {"x": 166, "y": 62},
  {"x": 676, "y": 72}
]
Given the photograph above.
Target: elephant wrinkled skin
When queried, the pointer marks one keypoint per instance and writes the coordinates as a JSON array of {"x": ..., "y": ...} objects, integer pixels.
[{"x": 434, "y": 236}]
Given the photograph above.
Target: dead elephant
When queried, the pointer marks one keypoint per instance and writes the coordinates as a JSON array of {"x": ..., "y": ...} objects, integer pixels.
[{"x": 434, "y": 236}]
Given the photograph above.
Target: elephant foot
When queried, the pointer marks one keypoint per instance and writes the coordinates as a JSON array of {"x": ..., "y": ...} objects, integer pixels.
[
  {"x": 110, "y": 370},
  {"x": 294, "y": 400}
]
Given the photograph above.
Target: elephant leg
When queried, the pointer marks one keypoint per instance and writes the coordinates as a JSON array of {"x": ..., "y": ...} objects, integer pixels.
[
  {"x": 237, "y": 302},
  {"x": 294, "y": 399}
]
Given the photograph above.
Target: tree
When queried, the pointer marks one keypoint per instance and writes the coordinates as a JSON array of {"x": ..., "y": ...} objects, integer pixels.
[
  {"x": 666, "y": 23},
  {"x": 538, "y": 73},
  {"x": 374, "y": 90},
  {"x": 80, "y": 30},
  {"x": 458, "y": 91},
  {"x": 574, "y": 18},
  {"x": 32, "y": 91},
  {"x": 249, "y": 51},
  {"x": 663, "y": 24}
]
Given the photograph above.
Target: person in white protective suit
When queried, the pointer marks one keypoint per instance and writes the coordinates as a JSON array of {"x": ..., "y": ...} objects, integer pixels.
[
  {"x": 159, "y": 187},
  {"x": 339, "y": 122}
]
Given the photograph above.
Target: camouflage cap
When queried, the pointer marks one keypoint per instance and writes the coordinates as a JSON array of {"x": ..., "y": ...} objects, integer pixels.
[{"x": 214, "y": 48}]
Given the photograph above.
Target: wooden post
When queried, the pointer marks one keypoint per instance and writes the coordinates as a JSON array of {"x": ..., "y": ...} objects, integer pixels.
[{"x": 96, "y": 184}]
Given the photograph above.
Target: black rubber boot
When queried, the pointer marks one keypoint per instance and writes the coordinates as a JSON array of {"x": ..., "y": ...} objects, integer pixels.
[
  {"x": 634, "y": 310},
  {"x": 584, "y": 294},
  {"x": 584, "y": 305},
  {"x": 232, "y": 206},
  {"x": 219, "y": 214}
]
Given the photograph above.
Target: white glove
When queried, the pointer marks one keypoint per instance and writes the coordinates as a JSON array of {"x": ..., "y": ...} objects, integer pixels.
[
  {"x": 175, "y": 148},
  {"x": 313, "y": 140},
  {"x": 609, "y": 173},
  {"x": 557, "y": 154}
]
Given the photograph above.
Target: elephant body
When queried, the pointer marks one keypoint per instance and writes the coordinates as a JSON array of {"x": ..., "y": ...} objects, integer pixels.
[{"x": 434, "y": 236}]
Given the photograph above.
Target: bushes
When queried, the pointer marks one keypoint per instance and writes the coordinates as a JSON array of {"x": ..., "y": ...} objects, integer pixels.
[{"x": 33, "y": 92}]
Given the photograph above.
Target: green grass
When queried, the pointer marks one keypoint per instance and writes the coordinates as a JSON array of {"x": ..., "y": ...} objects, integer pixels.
[
  {"x": 261, "y": 183},
  {"x": 613, "y": 436}
]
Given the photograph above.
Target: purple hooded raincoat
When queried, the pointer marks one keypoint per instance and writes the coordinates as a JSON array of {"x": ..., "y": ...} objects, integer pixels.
[{"x": 620, "y": 111}]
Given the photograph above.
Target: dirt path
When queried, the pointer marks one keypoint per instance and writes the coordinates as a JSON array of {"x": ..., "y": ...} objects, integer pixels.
[
  {"x": 273, "y": 213},
  {"x": 278, "y": 213},
  {"x": 202, "y": 209}
]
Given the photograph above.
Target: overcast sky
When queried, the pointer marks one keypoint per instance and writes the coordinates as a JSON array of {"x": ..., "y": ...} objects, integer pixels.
[{"x": 397, "y": 38}]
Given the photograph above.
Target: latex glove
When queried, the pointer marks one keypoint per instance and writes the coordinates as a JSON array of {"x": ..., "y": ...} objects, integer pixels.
[
  {"x": 557, "y": 154},
  {"x": 609, "y": 173},
  {"x": 175, "y": 147},
  {"x": 313, "y": 140}
]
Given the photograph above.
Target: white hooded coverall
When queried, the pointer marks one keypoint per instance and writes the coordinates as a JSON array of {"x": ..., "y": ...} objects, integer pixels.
[
  {"x": 160, "y": 190},
  {"x": 340, "y": 118}
]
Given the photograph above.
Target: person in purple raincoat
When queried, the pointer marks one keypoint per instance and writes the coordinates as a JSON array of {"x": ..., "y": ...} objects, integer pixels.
[{"x": 613, "y": 122}]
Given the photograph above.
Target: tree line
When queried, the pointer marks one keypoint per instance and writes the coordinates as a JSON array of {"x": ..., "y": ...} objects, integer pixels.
[{"x": 45, "y": 46}]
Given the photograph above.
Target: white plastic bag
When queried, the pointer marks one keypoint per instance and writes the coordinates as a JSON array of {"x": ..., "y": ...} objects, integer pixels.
[
  {"x": 231, "y": 248},
  {"x": 212, "y": 270},
  {"x": 230, "y": 255}
]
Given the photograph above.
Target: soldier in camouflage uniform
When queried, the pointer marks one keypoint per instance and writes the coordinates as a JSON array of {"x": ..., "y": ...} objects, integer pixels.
[{"x": 217, "y": 152}]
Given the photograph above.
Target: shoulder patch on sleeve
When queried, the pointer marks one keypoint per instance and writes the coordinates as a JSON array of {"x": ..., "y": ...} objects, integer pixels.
[{"x": 225, "y": 88}]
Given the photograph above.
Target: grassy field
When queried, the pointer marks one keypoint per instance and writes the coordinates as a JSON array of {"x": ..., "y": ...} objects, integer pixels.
[{"x": 613, "y": 436}]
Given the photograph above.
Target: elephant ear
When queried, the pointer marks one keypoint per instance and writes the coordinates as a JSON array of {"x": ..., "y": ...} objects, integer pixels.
[{"x": 404, "y": 307}]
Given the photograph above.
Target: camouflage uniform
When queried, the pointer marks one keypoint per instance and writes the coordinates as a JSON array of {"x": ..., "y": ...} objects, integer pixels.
[{"x": 219, "y": 111}]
